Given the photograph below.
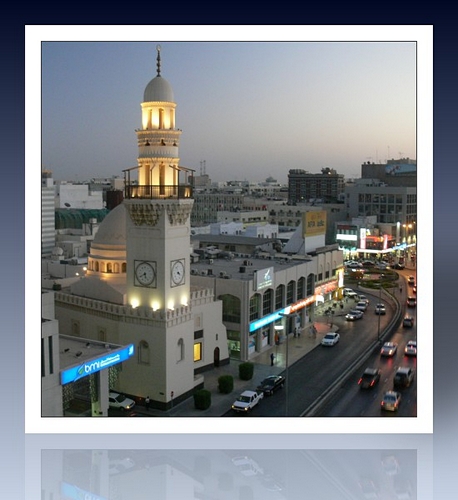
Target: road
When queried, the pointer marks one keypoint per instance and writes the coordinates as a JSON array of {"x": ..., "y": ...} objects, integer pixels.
[
  {"x": 312, "y": 375},
  {"x": 351, "y": 401}
]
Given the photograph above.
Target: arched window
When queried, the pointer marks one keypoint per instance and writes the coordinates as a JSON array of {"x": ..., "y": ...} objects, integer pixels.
[
  {"x": 255, "y": 309},
  {"x": 180, "y": 350},
  {"x": 280, "y": 297},
  {"x": 109, "y": 267},
  {"x": 310, "y": 284},
  {"x": 267, "y": 302},
  {"x": 116, "y": 268},
  {"x": 290, "y": 292},
  {"x": 301, "y": 289},
  {"x": 143, "y": 353},
  {"x": 123, "y": 267},
  {"x": 97, "y": 265},
  {"x": 231, "y": 308}
]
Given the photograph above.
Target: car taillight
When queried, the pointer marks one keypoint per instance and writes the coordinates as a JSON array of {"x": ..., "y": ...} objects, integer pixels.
[
  {"x": 360, "y": 380},
  {"x": 372, "y": 383}
]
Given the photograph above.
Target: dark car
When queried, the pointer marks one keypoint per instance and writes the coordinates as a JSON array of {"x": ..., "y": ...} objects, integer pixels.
[
  {"x": 411, "y": 302},
  {"x": 369, "y": 378},
  {"x": 399, "y": 266},
  {"x": 403, "y": 377},
  {"x": 407, "y": 322},
  {"x": 271, "y": 383}
]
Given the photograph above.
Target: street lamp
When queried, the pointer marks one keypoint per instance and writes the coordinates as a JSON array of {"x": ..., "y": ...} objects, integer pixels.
[
  {"x": 295, "y": 315},
  {"x": 380, "y": 301}
]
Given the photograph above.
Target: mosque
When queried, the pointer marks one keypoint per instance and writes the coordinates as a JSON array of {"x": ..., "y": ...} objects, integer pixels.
[{"x": 137, "y": 289}]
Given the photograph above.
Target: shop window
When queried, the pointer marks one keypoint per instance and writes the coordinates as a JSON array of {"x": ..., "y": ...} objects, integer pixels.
[{"x": 267, "y": 302}]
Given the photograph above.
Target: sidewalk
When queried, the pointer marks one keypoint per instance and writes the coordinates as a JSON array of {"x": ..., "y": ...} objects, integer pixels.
[{"x": 221, "y": 403}]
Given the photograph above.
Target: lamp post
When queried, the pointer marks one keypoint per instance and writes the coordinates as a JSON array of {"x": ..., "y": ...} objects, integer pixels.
[
  {"x": 295, "y": 315},
  {"x": 380, "y": 301}
]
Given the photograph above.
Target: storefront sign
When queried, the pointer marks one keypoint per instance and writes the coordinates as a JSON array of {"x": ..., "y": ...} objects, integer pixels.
[{"x": 95, "y": 365}]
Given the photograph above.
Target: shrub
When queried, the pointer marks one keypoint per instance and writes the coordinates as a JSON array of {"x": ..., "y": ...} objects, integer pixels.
[
  {"x": 246, "y": 371},
  {"x": 202, "y": 399},
  {"x": 226, "y": 384}
]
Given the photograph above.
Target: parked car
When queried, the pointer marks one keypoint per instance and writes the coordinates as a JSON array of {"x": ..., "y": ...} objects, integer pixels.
[
  {"x": 354, "y": 314},
  {"x": 411, "y": 348},
  {"x": 120, "y": 401},
  {"x": 398, "y": 265},
  {"x": 411, "y": 280},
  {"x": 271, "y": 383},
  {"x": 380, "y": 309},
  {"x": 408, "y": 322},
  {"x": 403, "y": 377},
  {"x": 369, "y": 378},
  {"x": 390, "y": 401},
  {"x": 362, "y": 306},
  {"x": 330, "y": 339},
  {"x": 389, "y": 349},
  {"x": 368, "y": 263},
  {"x": 411, "y": 302},
  {"x": 247, "y": 401},
  {"x": 348, "y": 292}
]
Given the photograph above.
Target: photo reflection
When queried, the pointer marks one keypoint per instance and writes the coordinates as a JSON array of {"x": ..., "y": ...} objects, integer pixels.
[{"x": 229, "y": 474}]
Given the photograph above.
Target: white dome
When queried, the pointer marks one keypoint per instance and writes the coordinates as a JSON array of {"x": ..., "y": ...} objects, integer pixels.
[
  {"x": 158, "y": 89},
  {"x": 112, "y": 230}
]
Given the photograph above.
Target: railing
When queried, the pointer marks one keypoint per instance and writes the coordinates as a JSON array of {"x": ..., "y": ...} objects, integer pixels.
[{"x": 158, "y": 192}]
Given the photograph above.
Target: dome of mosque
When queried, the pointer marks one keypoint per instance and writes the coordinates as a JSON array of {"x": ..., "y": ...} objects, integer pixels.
[
  {"x": 158, "y": 89},
  {"x": 112, "y": 230}
]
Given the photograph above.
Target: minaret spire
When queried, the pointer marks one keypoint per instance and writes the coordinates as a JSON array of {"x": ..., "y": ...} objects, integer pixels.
[{"x": 158, "y": 48}]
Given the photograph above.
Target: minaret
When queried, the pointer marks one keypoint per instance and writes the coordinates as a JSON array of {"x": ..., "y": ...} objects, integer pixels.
[{"x": 159, "y": 205}]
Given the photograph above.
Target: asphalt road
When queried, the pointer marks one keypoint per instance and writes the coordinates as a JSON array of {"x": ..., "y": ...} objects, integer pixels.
[{"x": 312, "y": 375}]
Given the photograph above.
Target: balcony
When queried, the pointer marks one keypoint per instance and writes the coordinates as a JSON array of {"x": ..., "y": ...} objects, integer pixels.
[{"x": 150, "y": 192}]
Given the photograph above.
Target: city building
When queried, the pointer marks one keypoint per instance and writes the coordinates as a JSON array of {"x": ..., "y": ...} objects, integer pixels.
[
  {"x": 304, "y": 186},
  {"x": 267, "y": 293},
  {"x": 399, "y": 172},
  {"x": 48, "y": 233}
]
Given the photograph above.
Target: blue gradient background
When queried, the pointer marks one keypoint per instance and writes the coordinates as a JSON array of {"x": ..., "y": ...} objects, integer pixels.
[{"x": 23, "y": 457}]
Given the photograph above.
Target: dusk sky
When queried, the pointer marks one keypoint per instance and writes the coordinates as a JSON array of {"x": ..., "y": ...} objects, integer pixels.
[{"x": 250, "y": 110}]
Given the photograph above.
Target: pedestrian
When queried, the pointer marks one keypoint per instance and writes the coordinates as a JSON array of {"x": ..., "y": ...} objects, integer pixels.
[
  {"x": 272, "y": 357},
  {"x": 400, "y": 289},
  {"x": 147, "y": 402}
]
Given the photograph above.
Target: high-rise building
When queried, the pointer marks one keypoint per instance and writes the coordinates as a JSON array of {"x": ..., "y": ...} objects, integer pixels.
[{"x": 48, "y": 225}]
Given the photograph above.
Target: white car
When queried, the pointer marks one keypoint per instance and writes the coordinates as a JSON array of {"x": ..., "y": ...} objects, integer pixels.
[
  {"x": 380, "y": 309},
  {"x": 354, "y": 314},
  {"x": 362, "y": 306},
  {"x": 363, "y": 298},
  {"x": 247, "y": 401},
  {"x": 330, "y": 339},
  {"x": 120, "y": 401}
]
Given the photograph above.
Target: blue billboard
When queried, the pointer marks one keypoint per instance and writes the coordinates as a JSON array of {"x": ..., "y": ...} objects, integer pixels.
[{"x": 96, "y": 364}]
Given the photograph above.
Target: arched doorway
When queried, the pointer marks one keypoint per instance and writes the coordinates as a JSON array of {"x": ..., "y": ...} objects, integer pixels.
[{"x": 216, "y": 357}]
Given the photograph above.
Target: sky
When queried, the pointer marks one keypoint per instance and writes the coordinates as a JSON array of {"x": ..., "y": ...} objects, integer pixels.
[{"x": 248, "y": 109}]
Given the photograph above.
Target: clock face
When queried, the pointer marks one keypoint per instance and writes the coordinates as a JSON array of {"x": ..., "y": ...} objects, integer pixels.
[
  {"x": 145, "y": 273},
  {"x": 177, "y": 272}
]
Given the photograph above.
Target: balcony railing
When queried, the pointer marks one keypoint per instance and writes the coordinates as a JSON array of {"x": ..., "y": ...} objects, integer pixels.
[{"x": 176, "y": 192}]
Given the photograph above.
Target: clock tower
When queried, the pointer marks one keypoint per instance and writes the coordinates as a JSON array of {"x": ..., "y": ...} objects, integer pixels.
[{"x": 159, "y": 205}]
